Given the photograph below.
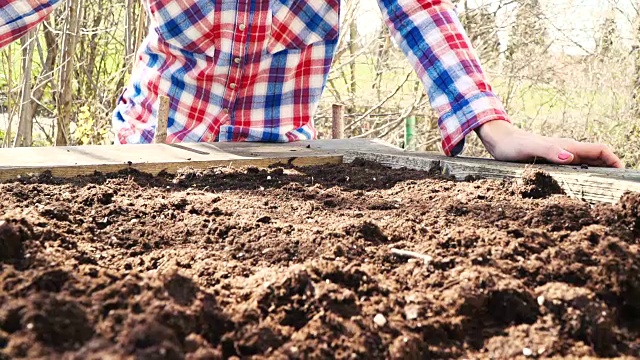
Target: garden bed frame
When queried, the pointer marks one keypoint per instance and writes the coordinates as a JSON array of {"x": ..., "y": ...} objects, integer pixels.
[{"x": 588, "y": 184}]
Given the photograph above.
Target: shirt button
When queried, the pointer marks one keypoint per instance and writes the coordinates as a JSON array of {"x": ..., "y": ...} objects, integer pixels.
[
  {"x": 237, "y": 60},
  {"x": 232, "y": 86},
  {"x": 242, "y": 27},
  {"x": 225, "y": 110}
]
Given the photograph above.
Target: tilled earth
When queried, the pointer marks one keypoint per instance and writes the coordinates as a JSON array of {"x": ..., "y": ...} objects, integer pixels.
[{"x": 297, "y": 263}]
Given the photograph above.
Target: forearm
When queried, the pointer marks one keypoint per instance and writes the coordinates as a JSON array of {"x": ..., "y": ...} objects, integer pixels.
[
  {"x": 435, "y": 43},
  {"x": 17, "y": 17}
]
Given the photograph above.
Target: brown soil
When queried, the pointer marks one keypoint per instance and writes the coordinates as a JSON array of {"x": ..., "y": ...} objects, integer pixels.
[{"x": 297, "y": 263}]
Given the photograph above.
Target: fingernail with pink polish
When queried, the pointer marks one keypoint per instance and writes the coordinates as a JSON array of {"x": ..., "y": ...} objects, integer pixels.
[{"x": 564, "y": 155}]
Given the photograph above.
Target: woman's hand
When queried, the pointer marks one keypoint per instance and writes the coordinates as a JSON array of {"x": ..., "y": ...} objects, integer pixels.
[{"x": 507, "y": 143}]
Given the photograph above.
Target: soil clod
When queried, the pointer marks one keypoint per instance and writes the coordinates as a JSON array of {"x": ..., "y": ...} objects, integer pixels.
[
  {"x": 537, "y": 184},
  {"x": 13, "y": 234}
]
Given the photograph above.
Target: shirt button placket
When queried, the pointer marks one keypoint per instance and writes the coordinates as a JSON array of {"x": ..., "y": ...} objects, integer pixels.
[{"x": 238, "y": 47}]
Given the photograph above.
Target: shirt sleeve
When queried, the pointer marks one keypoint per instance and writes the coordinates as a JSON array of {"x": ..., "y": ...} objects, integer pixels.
[
  {"x": 430, "y": 34},
  {"x": 17, "y": 17}
]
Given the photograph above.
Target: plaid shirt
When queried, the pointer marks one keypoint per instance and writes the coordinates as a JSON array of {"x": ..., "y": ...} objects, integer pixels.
[{"x": 241, "y": 70}]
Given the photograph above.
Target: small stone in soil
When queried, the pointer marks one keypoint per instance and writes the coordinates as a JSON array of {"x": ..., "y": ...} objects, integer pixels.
[
  {"x": 380, "y": 320},
  {"x": 411, "y": 312},
  {"x": 264, "y": 219}
]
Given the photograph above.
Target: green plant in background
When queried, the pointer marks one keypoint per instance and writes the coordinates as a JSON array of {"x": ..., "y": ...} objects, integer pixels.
[
  {"x": 85, "y": 126},
  {"x": 87, "y": 131}
]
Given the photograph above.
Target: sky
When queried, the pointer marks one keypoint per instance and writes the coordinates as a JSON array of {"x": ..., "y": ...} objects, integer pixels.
[{"x": 572, "y": 23}]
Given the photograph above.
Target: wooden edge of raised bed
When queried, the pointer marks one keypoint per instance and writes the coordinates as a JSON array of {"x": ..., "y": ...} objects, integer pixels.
[
  {"x": 168, "y": 167},
  {"x": 591, "y": 185},
  {"x": 154, "y": 158}
]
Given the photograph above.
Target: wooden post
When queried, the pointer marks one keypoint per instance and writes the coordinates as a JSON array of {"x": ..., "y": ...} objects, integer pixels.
[
  {"x": 163, "y": 120},
  {"x": 337, "y": 121},
  {"x": 409, "y": 132}
]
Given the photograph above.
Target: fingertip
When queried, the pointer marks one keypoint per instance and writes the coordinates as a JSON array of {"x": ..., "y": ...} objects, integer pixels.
[
  {"x": 619, "y": 164},
  {"x": 611, "y": 159},
  {"x": 564, "y": 156}
]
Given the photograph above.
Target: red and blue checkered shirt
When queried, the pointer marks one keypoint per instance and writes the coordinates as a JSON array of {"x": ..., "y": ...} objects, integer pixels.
[{"x": 242, "y": 70}]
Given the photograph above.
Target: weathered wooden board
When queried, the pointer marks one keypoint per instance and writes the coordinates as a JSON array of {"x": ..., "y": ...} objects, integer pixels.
[
  {"x": 154, "y": 158},
  {"x": 590, "y": 184}
]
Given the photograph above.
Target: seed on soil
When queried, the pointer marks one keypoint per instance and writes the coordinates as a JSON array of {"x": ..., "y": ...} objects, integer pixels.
[
  {"x": 527, "y": 352},
  {"x": 427, "y": 259}
]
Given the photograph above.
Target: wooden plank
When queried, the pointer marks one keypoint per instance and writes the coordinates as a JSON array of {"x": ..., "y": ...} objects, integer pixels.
[
  {"x": 154, "y": 158},
  {"x": 490, "y": 164},
  {"x": 160, "y": 136},
  {"x": 592, "y": 184},
  {"x": 169, "y": 167}
]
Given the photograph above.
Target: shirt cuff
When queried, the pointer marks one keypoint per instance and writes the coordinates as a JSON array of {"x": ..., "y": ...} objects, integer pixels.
[{"x": 462, "y": 117}]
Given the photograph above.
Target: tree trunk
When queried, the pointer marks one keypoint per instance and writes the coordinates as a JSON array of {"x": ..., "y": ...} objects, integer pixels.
[
  {"x": 6, "y": 142},
  {"x": 25, "y": 126},
  {"x": 65, "y": 89},
  {"x": 635, "y": 94},
  {"x": 353, "y": 49}
]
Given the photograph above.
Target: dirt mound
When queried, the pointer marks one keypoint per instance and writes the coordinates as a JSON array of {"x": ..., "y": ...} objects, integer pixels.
[
  {"x": 13, "y": 234},
  {"x": 624, "y": 217},
  {"x": 581, "y": 315},
  {"x": 296, "y": 263},
  {"x": 538, "y": 184},
  {"x": 147, "y": 317}
]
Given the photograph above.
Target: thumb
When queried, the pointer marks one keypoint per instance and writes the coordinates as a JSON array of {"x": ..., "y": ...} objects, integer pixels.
[{"x": 558, "y": 155}]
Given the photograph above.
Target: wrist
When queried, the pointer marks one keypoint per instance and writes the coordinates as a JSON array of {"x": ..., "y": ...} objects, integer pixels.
[{"x": 492, "y": 132}]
